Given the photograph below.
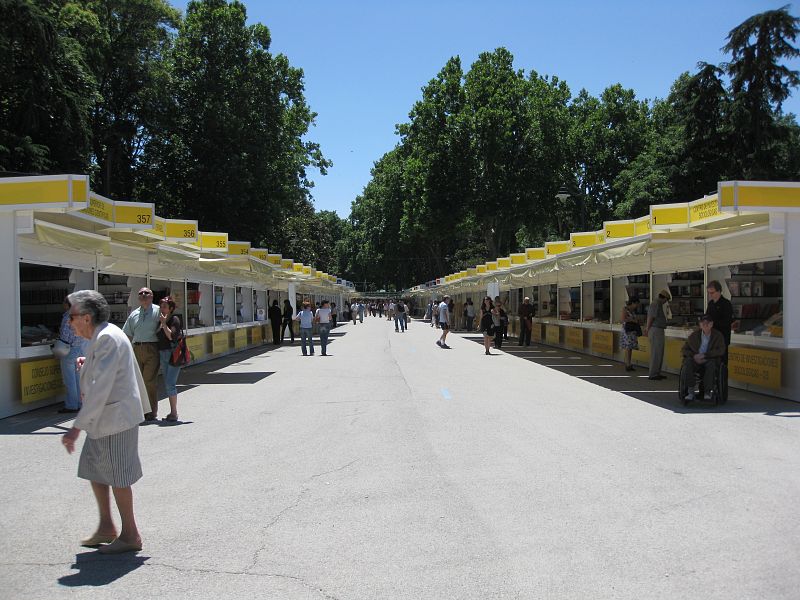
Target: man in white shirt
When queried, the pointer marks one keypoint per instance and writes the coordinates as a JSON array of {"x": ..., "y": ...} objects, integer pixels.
[
  {"x": 323, "y": 318},
  {"x": 444, "y": 322}
]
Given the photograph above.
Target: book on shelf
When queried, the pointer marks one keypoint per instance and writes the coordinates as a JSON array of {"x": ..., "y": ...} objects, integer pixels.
[{"x": 733, "y": 287}]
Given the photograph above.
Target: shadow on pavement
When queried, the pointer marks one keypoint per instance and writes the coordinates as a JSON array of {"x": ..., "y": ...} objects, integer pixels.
[
  {"x": 95, "y": 570},
  {"x": 611, "y": 375}
]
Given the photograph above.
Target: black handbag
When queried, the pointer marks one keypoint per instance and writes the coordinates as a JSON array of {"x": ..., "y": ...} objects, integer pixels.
[{"x": 633, "y": 327}]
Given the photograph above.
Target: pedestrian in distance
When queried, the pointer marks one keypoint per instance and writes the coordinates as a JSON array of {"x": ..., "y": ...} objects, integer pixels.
[
  {"x": 525, "y": 322},
  {"x": 69, "y": 369},
  {"x": 323, "y": 318},
  {"x": 469, "y": 315},
  {"x": 631, "y": 330},
  {"x": 141, "y": 327},
  {"x": 400, "y": 316},
  {"x": 361, "y": 309},
  {"x": 306, "y": 318},
  {"x": 334, "y": 315},
  {"x": 721, "y": 311},
  {"x": 114, "y": 401},
  {"x": 169, "y": 332},
  {"x": 354, "y": 311},
  {"x": 288, "y": 315},
  {"x": 658, "y": 313},
  {"x": 275, "y": 316},
  {"x": 444, "y": 323},
  {"x": 487, "y": 322},
  {"x": 497, "y": 322}
]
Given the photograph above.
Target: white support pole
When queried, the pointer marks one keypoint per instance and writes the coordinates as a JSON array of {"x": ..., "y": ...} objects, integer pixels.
[
  {"x": 791, "y": 280},
  {"x": 292, "y": 297},
  {"x": 9, "y": 292}
]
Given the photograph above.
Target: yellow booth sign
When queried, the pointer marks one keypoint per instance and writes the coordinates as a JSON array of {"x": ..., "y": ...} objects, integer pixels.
[
  {"x": 759, "y": 367},
  {"x": 219, "y": 342},
  {"x": 240, "y": 339},
  {"x": 197, "y": 346},
  {"x": 642, "y": 355},
  {"x": 536, "y": 332},
  {"x": 573, "y": 337},
  {"x": 603, "y": 342},
  {"x": 553, "y": 334},
  {"x": 40, "y": 379}
]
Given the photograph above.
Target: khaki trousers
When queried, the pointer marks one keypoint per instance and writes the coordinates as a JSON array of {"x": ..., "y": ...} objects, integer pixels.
[{"x": 149, "y": 362}]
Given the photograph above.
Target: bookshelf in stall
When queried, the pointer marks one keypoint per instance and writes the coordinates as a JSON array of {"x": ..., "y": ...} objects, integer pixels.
[
  {"x": 756, "y": 291},
  {"x": 687, "y": 297}
]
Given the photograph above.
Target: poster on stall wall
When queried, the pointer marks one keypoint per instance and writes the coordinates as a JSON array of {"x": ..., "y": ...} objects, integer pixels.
[
  {"x": 642, "y": 355},
  {"x": 603, "y": 342},
  {"x": 40, "y": 379},
  {"x": 759, "y": 367}
]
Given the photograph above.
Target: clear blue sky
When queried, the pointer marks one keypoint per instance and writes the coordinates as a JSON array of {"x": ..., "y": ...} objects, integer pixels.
[{"x": 365, "y": 62}]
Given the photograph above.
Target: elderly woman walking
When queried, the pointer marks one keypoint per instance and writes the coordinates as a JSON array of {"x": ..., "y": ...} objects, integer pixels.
[{"x": 114, "y": 400}]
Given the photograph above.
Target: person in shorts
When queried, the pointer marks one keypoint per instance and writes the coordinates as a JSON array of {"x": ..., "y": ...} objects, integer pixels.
[{"x": 444, "y": 322}]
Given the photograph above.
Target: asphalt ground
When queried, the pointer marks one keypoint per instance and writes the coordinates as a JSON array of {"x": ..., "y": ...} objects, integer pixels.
[{"x": 396, "y": 469}]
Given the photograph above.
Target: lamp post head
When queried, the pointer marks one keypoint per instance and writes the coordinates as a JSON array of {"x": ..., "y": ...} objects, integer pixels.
[{"x": 562, "y": 194}]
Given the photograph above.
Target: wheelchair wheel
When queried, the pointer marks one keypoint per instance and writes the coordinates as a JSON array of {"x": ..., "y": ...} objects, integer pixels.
[
  {"x": 722, "y": 384},
  {"x": 683, "y": 391}
]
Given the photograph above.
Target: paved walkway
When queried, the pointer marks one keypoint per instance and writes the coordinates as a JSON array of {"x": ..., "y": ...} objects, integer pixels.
[{"x": 395, "y": 469}]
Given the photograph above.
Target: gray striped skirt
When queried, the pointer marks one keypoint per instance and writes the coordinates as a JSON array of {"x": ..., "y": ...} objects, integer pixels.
[{"x": 112, "y": 460}]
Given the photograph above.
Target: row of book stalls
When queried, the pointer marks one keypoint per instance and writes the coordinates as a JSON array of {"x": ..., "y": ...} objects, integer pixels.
[
  {"x": 746, "y": 237},
  {"x": 58, "y": 237}
]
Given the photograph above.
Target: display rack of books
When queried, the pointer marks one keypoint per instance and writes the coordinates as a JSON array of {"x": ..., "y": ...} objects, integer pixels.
[
  {"x": 569, "y": 304},
  {"x": 756, "y": 291},
  {"x": 639, "y": 286},
  {"x": 117, "y": 293},
  {"x": 239, "y": 305},
  {"x": 602, "y": 300},
  {"x": 42, "y": 291},
  {"x": 687, "y": 302},
  {"x": 193, "y": 295},
  {"x": 219, "y": 308}
]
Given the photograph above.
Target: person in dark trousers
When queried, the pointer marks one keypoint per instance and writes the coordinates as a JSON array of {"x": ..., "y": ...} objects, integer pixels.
[
  {"x": 720, "y": 310},
  {"x": 525, "y": 322},
  {"x": 287, "y": 320},
  {"x": 275, "y": 317}
]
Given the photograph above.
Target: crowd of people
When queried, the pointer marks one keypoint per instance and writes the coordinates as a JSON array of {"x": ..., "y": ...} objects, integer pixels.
[{"x": 111, "y": 373}]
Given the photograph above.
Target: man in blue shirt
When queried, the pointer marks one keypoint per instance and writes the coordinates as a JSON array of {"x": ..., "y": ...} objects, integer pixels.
[{"x": 306, "y": 318}]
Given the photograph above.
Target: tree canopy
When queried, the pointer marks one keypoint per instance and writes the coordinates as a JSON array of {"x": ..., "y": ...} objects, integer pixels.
[{"x": 195, "y": 113}]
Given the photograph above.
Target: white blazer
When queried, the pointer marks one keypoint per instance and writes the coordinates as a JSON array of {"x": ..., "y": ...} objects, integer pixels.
[{"x": 112, "y": 386}]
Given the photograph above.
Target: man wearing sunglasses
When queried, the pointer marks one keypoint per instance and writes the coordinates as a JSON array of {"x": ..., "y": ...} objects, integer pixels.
[{"x": 141, "y": 327}]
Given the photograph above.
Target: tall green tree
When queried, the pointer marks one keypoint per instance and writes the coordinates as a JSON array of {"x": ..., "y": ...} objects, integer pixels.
[
  {"x": 47, "y": 93},
  {"x": 760, "y": 82},
  {"x": 229, "y": 150}
]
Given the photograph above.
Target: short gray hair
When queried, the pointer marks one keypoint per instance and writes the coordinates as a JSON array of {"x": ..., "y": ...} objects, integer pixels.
[{"x": 89, "y": 302}]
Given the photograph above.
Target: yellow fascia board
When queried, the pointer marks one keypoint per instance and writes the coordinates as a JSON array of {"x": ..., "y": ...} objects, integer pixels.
[
  {"x": 586, "y": 239},
  {"x": 274, "y": 259},
  {"x": 472, "y": 271},
  {"x": 177, "y": 230},
  {"x": 239, "y": 248},
  {"x": 619, "y": 229},
  {"x": 259, "y": 253},
  {"x": 759, "y": 196},
  {"x": 554, "y": 248},
  {"x": 491, "y": 265},
  {"x": 463, "y": 273},
  {"x": 306, "y": 270},
  {"x": 642, "y": 225},
  {"x": 287, "y": 263},
  {"x": 481, "y": 269},
  {"x": 297, "y": 267},
  {"x": 213, "y": 241},
  {"x": 504, "y": 263},
  {"x": 134, "y": 215},
  {"x": 532, "y": 254},
  {"x": 669, "y": 216},
  {"x": 704, "y": 209},
  {"x": 518, "y": 258},
  {"x": 44, "y": 191}
]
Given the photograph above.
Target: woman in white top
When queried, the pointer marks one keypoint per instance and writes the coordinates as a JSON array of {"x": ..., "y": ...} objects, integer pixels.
[{"x": 114, "y": 400}]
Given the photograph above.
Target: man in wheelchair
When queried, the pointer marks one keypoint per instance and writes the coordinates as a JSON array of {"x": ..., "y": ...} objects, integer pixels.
[{"x": 702, "y": 354}]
